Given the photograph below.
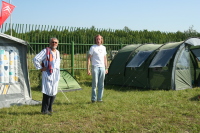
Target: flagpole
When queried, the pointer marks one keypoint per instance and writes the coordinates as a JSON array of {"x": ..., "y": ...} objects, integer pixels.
[{"x": 10, "y": 22}]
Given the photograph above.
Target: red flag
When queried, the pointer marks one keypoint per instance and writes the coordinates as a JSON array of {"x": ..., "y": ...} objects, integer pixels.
[{"x": 5, "y": 11}]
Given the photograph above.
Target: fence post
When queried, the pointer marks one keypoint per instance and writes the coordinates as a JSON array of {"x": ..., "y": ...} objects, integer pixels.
[
  {"x": 72, "y": 59},
  {"x": 121, "y": 45}
]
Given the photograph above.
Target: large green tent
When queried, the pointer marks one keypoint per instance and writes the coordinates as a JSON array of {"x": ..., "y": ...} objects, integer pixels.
[{"x": 157, "y": 66}]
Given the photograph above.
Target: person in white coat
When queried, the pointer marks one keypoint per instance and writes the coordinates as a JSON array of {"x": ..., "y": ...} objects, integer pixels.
[{"x": 50, "y": 68}]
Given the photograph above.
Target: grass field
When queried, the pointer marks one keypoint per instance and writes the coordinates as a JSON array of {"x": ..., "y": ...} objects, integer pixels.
[{"x": 123, "y": 110}]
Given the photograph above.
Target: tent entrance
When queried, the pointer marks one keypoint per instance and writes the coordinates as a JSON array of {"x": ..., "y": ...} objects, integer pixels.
[
  {"x": 182, "y": 71},
  {"x": 160, "y": 69}
]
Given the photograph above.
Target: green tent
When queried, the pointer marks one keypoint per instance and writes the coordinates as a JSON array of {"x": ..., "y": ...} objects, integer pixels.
[
  {"x": 67, "y": 82},
  {"x": 157, "y": 66}
]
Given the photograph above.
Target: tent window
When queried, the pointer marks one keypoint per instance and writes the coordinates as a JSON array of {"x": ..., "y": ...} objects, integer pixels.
[
  {"x": 162, "y": 58},
  {"x": 183, "y": 62},
  {"x": 139, "y": 59},
  {"x": 196, "y": 52}
]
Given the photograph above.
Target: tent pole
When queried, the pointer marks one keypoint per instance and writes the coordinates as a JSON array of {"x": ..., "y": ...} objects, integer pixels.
[{"x": 64, "y": 95}]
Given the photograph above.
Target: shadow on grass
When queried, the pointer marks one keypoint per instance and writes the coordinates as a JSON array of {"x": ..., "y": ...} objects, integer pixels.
[
  {"x": 22, "y": 113},
  {"x": 37, "y": 88},
  {"x": 117, "y": 87},
  {"x": 195, "y": 98},
  {"x": 86, "y": 83},
  {"x": 126, "y": 88},
  {"x": 78, "y": 103}
]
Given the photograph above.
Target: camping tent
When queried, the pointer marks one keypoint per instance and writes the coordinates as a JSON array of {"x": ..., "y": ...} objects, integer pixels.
[
  {"x": 67, "y": 82},
  {"x": 14, "y": 79},
  {"x": 157, "y": 66}
]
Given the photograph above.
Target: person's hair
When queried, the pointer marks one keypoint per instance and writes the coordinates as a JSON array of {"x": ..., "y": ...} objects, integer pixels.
[
  {"x": 96, "y": 37},
  {"x": 53, "y": 38}
]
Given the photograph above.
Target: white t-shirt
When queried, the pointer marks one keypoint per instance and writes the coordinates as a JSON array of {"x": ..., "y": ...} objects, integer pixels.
[{"x": 98, "y": 52}]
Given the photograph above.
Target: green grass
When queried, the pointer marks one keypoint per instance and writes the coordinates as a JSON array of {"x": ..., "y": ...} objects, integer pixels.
[{"x": 123, "y": 110}]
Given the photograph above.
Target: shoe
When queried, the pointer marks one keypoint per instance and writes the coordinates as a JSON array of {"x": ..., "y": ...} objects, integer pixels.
[
  {"x": 93, "y": 101},
  {"x": 100, "y": 101}
]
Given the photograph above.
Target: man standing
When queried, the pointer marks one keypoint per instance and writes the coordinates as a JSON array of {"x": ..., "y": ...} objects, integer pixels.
[
  {"x": 97, "y": 55},
  {"x": 50, "y": 68}
]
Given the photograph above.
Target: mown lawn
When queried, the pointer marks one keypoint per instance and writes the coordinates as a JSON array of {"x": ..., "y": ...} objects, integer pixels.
[{"x": 123, "y": 110}]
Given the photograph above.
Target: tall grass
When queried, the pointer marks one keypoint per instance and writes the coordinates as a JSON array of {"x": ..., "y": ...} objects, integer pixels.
[{"x": 123, "y": 110}]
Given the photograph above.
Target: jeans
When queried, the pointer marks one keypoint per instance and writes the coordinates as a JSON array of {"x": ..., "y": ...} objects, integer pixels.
[{"x": 98, "y": 76}]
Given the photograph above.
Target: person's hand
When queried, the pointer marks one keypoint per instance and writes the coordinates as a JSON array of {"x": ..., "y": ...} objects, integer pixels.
[
  {"x": 106, "y": 71},
  {"x": 89, "y": 73},
  {"x": 43, "y": 69}
]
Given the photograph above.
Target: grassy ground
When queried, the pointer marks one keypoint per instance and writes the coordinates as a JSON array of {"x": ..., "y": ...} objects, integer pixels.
[{"x": 123, "y": 110}]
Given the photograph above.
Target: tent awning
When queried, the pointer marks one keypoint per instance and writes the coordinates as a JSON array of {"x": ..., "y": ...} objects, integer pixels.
[{"x": 193, "y": 41}]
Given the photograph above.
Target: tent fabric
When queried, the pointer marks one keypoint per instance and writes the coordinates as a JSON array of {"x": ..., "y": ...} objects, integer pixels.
[
  {"x": 184, "y": 61},
  {"x": 171, "y": 45},
  {"x": 171, "y": 65},
  {"x": 182, "y": 73},
  {"x": 67, "y": 82},
  {"x": 122, "y": 55},
  {"x": 119, "y": 63},
  {"x": 14, "y": 78},
  {"x": 126, "y": 75},
  {"x": 182, "y": 79}
]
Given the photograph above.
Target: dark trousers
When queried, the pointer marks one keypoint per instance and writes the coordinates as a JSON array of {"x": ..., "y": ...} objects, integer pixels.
[{"x": 47, "y": 102}]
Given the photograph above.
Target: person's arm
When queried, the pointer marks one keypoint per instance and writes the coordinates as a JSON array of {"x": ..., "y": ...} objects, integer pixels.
[
  {"x": 38, "y": 59},
  {"x": 88, "y": 64},
  {"x": 106, "y": 64}
]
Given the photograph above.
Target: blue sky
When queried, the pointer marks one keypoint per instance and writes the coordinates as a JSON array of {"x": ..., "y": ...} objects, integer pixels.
[{"x": 153, "y": 15}]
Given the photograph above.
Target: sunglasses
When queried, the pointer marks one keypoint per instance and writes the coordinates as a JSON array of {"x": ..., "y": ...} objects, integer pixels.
[{"x": 54, "y": 42}]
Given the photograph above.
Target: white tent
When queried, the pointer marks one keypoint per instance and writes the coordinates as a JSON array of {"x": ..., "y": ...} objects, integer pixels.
[{"x": 14, "y": 78}]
